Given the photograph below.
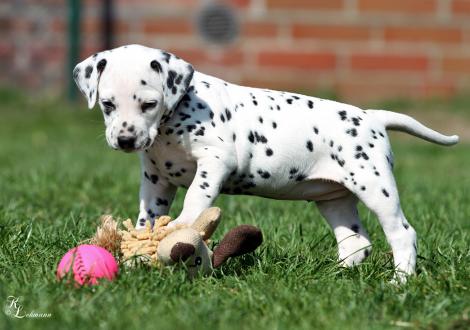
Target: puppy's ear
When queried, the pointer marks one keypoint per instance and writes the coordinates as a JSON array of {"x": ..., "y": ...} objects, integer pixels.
[
  {"x": 87, "y": 74},
  {"x": 176, "y": 76}
]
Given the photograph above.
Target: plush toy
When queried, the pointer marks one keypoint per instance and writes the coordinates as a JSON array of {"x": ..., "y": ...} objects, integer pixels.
[{"x": 162, "y": 245}]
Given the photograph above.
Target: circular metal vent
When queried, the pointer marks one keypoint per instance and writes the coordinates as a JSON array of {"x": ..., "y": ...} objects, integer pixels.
[{"x": 217, "y": 23}]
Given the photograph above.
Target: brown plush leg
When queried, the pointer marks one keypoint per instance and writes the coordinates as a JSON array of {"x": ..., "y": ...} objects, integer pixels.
[{"x": 240, "y": 240}]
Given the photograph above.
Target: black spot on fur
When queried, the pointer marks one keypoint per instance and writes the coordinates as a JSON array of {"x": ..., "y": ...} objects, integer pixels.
[
  {"x": 264, "y": 174},
  {"x": 156, "y": 66},
  {"x": 260, "y": 138},
  {"x": 269, "y": 152},
  {"x": 251, "y": 137},
  {"x": 200, "y": 131},
  {"x": 190, "y": 128},
  {"x": 166, "y": 57},
  {"x": 170, "y": 81},
  {"x": 309, "y": 145},
  {"x": 343, "y": 115},
  {"x": 178, "y": 79},
  {"x": 101, "y": 65},
  {"x": 385, "y": 192},
  {"x": 228, "y": 114},
  {"x": 161, "y": 201},
  {"x": 352, "y": 132},
  {"x": 300, "y": 177},
  {"x": 88, "y": 71}
]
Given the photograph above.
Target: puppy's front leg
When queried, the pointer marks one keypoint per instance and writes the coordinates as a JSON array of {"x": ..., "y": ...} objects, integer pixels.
[
  {"x": 207, "y": 183},
  {"x": 156, "y": 196}
]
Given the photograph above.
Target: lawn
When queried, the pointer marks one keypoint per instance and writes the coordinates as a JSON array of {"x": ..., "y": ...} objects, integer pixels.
[{"x": 58, "y": 176}]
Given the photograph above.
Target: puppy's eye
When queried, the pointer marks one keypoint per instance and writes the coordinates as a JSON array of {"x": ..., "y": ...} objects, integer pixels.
[
  {"x": 108, "y": 106},
  {"x": 148, "y": 105}
]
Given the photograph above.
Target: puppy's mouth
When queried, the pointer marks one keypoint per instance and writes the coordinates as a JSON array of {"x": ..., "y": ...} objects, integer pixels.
[{"x": 143, "y": 146}]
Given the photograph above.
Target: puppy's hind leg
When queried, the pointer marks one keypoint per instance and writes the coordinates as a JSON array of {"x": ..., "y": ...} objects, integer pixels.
[
  {"x": 382, "y": 198},
  {"x": 342, "y": 215}
]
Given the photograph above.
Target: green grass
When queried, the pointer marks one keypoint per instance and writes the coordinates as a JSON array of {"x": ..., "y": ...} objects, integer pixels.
[{"x": 57, "y": 177}]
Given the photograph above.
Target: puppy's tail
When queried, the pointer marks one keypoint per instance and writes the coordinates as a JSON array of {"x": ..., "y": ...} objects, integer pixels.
[{"x": 400, "y": 122}]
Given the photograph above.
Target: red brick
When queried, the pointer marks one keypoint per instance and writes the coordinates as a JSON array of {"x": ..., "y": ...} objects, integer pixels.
[
  {"x": 58, "y": 25},
  {"x": 240, "y": 3},
  {"x": 88, "y": 50},
  {"x": 441, "y": 88},
  {"x": 190, "y": 55},
  {"x": 461, "y": 7},
  {"x": 456, "y": 64},
  {"x": 259, "y": 29},
  {"x": 305, "y": 4},
  {"x": 44, "y": 54},
  {"x": 91, "y": 26},
  {"x": 160, "y": 3},
  {"x": 311, "y": 60},
  {"x": 278, "y": 83},
  {"x": 167, "y": 26},
  {"x": 419, "y": 34},
  {"x": 386, "y": 62},
  {"x": 229, "y": 57},
  {"x": 5, "y": 24},
  {"x": 328, "y": 32},
  {"x": 398, "y": 6},
  {"x": 6, "y": 50},
  {"x": 358, "y": 91}
]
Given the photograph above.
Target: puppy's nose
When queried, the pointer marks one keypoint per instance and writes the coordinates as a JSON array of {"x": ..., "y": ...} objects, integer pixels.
[{"x": 126, "y": 142}]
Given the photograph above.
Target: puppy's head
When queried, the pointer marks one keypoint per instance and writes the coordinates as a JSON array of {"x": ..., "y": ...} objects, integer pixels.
[{"x": 137, "y": 88}]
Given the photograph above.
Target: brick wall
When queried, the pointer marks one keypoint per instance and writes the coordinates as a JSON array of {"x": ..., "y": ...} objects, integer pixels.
[{"x": 362, "y": 49}]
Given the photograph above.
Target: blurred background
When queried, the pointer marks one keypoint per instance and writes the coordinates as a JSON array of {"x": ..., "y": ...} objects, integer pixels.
[{"x": 354, "y": 50}]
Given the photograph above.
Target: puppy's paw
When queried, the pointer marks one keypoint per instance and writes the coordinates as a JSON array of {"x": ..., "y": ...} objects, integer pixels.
[{"x": 353, "y": 250}]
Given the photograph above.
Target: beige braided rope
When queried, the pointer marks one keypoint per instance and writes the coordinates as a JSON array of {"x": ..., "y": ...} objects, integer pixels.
[{"x": 131, "y": 243}]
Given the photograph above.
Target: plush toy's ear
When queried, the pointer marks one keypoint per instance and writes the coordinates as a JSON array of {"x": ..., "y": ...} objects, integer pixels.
[
  {"x": 87, "y": 74},
  {"x": 176, "y": 76},
  {"x": 207, "y": 222},
  {"x": 238, "y": 241}
]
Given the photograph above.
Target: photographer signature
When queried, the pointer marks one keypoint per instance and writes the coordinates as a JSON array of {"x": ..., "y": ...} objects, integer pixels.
[{"x": 14, "y": 308}]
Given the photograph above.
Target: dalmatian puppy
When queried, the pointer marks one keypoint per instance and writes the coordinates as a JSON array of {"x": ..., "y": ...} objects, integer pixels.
[{"x": 210, "y": 136}]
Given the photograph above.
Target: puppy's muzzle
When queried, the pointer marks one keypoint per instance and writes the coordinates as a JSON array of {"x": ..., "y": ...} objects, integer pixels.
[{"x": 126, "y": 143}]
